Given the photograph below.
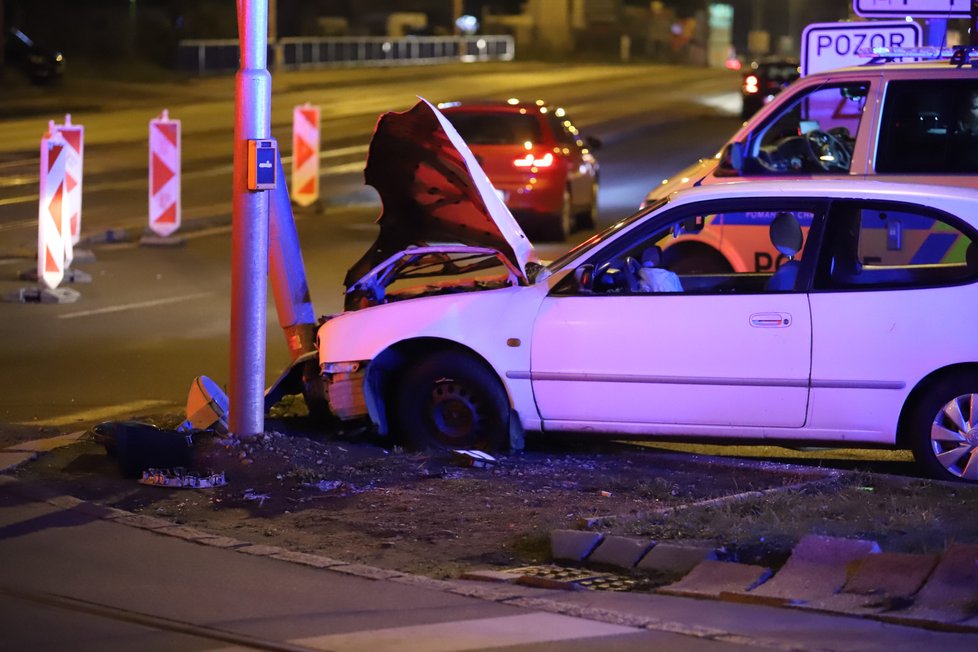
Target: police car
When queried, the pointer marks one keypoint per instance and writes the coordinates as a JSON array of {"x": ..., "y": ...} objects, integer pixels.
[
  {"x": 456, "y": 335},
  {"x": 887, "y": 120}
]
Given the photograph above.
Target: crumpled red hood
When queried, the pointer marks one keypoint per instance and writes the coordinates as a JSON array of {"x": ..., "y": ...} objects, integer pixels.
[{"x": 433, "y": 191}]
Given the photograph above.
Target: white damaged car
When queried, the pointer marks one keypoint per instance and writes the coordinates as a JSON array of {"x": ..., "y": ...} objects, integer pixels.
[{"x": 861, "y": 331}]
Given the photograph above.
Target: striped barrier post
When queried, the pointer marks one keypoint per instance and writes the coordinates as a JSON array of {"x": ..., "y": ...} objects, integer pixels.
[
  {"x": 305, "y": 155},
  {"x": 74, "y": 136},
  {"x": 52, "y": 230},
  {"x": 164, "y": 175}
]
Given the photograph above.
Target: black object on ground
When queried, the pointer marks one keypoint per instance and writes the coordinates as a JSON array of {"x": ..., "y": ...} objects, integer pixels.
[{"x": 139, "y": 446}]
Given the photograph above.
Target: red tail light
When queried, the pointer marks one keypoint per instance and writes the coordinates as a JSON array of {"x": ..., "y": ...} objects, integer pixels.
[
  {"x": 531, "y": 161},
  {"x": 750, "y": 84}
]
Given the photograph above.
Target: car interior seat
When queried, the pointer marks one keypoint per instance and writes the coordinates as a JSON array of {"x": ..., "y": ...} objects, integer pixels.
[{"x": 787, "y": 238}]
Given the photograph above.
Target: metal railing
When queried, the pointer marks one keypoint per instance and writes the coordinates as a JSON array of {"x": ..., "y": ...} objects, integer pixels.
[{"x": 217, "y": 56}]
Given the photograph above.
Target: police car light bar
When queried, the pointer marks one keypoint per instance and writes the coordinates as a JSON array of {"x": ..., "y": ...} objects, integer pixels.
[
  {"x": 958, "y": 55},
  {"x": 919, "y": 52}
]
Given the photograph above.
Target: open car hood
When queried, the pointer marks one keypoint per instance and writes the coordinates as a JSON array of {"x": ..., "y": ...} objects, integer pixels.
[{"x": 434, "y": 191}]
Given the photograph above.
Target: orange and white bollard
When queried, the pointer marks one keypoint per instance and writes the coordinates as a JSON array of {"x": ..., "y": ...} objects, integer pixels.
[
  {"x": 305, "y": 155},
  {"x": 164, "y": 175},
  {"x": 53, "y": 231},
  {"x": 74, "y": 136}
]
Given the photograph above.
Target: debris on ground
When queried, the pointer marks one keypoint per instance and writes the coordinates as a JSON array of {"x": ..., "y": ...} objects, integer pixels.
[
  {"x": 473, "y": 458},
  {"x": 182, "y": 478}
]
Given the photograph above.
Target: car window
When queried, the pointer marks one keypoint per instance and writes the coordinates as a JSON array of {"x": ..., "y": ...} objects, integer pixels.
[
  {"x": 563, "y": 129},
  {"x": 872, "y": 245},
  {"x": 813, "y": 134},
  {"x": 684, "y": 254},
  {"x": 929, "y": 126},
  {"x": 495, "y": 127}
]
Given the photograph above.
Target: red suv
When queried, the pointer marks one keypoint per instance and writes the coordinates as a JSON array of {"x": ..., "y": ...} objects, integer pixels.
[{"x": 540, "y": 165}]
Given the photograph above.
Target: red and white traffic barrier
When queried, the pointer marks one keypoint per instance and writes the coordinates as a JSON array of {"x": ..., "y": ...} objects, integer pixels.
[
  {"x": 164, "y": 175},
  {"x": 305, "y": 155},
  {"x": 53, "y": 231},
  {"x": 74, "y": 136}
]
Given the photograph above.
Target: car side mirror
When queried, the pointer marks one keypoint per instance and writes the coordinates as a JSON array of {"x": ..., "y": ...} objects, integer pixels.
[
  {"x": 584, "y": 279},
  {"x": 593, "y": 143}
]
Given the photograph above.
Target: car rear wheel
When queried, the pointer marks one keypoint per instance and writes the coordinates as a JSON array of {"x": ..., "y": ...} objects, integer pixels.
[
  {"x": 562, "y": 223},
  {"x": 589, "y": 217},
  {"x": 944, "y": 429},
  {"x": 450, "y": 400}
]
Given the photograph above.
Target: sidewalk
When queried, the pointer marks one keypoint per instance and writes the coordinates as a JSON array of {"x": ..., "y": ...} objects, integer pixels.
[{"x": 72, "y": 554}]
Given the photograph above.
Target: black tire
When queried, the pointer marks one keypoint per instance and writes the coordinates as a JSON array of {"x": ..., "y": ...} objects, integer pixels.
[
  {"x": 589, "y": 217},
  {"x": 449, "y": 400},
  {"x": 562, "y": 223},
  {"x": 943, "y": 428}
]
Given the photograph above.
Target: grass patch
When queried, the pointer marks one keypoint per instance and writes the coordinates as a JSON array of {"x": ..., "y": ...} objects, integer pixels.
[{"x": 902, "y": 515}]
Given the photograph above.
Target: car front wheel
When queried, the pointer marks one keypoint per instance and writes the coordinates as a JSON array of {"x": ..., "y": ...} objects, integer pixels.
[
  {"x": 450, "y": 400},
  {"x": 944, "y": 428}
]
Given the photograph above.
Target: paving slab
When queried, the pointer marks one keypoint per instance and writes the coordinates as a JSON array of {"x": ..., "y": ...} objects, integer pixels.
[
  {"x": 818, "y": 567},
  {"x": 950, "y": 594},
  {"x": 48, "y": 444},
  {"x": 622, "y": 552},
  {"x": 573, "y": 545},
  {"x": 674, "y": 558},
  {"x": 10, "y": 460},
  {"x": 711, "y": 578},
  {"x": 883, "y": 582}
]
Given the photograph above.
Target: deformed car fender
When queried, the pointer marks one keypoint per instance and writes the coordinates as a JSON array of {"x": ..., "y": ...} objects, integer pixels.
[{"x": 495, "y": 325}]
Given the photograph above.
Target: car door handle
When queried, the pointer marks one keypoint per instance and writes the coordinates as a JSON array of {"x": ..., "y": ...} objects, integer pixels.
[{"x": 770, "y": 320}]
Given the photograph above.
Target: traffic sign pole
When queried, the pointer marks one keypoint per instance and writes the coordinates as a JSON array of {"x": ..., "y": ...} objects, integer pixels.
[
  {"x": 51, "y": 232},
  {"x": 164, "y": 175},
  {"x": 305, "y": 155},
  {"x": 74, "y": 136},
  {"x": 249, "y": 228}
]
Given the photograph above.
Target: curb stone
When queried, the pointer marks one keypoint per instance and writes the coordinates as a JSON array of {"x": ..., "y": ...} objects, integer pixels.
[
  {"x": 573, "y": 545},
  {"x": 818, "y": 568},
  {"x": 623, "y": 552}
]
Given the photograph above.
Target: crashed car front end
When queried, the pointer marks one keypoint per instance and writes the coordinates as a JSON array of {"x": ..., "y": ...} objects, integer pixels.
[{"x": 445, "y": 236}]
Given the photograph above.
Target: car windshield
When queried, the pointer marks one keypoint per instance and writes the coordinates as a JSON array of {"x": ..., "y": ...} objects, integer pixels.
[
  {"x": 559, "y": 263},
  {"x": 495, "y": 127}
]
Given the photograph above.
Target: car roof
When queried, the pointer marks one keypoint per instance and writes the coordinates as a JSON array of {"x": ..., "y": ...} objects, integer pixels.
[
  {"x": 902, "y": 68},
  {"x": 937, "y": 196}
]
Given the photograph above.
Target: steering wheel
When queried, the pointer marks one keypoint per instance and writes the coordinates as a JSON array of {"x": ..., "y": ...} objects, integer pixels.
[
  {"x": 827, "y": 151},
  {"x": 629, "y": 273},
  {"x": 607, "y": 278}
]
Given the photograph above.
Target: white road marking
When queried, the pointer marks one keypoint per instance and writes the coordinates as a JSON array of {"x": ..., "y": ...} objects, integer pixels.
[
  {"x": 462, "y": 635},
  {"x": 135, "y": 306},
  {"x": 99, "y": 414}
]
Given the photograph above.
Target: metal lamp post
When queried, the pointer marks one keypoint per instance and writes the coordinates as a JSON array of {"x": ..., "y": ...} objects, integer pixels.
[{"x": 249, "y": 235}]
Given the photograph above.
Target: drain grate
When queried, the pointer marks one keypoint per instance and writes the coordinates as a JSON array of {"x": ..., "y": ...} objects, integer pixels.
[{"x": 582, "y": 578}]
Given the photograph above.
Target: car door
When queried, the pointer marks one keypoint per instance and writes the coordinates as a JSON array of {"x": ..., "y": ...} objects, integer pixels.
[
  {"x": 729, "y": 350},
  {"x": 893, "y": 301}
]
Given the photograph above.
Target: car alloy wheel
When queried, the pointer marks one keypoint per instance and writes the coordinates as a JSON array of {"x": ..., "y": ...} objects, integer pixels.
[{"x": 945, "y": 429}]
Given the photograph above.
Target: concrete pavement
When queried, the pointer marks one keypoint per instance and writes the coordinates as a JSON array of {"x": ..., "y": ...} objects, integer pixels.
[{"x": 88, "y": 577}]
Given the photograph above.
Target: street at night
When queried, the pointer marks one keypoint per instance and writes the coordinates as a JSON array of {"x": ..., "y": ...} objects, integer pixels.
[{"x": 336, "y": 528}]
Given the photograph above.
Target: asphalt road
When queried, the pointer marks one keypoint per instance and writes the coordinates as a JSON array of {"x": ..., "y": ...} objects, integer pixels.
[{"x": 152, "y": 319}]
